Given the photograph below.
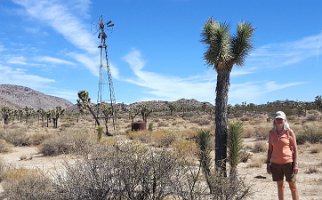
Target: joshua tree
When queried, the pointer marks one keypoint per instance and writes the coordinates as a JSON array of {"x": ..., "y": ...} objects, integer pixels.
[
  {"x": 56, "y": 113},
  {"x": 223, "y": 52},
  {"x": 84, "y": 103},
  {"x": 5, "y": 111}
]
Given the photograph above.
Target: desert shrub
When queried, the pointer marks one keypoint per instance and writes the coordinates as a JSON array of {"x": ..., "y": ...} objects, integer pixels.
[
  {"x": 256, "y": 163},
  {"x": 229, "y": 188},
  {"x": 17, "y": 137},
  {"x": 163, "y": 124},
  {"x": 150, "y": 127},
  {"x": 200, "y": 121},
  {"x": 4, "y": 146},
  {"x": 311, "y": 170},
  {"x": 245, "y": 156},
  {"x": 163, "y": 138},
  {"x": 3, "y": 168},
  {"x": 185, "y": 148},
  {"x": 128, "y": 171},
  {"x": 143, "y": 136},
  {"x": 311, "y": 135},
  {"x": 244, "y": 119},
  {"x": 121, "y": 171},
  {"x": 66, "y": 142},
  {"x": 26, "y": 184},
  {"x": 259, "y": 147},
  {"x": 316, "y": 148},
  {"x": 312, "y": 118},
  {"x": 38, "y": 138}
]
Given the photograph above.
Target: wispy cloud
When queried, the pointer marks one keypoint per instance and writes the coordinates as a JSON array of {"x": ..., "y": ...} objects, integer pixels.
[
  {"x": 17, "y": 60},
  {"x": 283, "y": 54},
  {"x": 52, "y": 60},
  {"x": 64, "y": 18},
  {"x": 60, "y": 18},
  {"x": 199, "y": 87},
  {"x": 254, "y": 91},
  {"x": 21, "y": 77},
  {"x": 165, "y": 87},
  {"x": 70, "y": 95}
]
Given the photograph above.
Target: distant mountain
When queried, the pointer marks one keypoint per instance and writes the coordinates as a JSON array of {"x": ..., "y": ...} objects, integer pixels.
[{"x": 17, "y": 97}]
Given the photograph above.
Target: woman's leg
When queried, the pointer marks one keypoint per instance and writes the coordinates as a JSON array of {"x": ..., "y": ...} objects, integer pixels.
[
  {"x": 293, "y": 188},
  {"x": 280, "y": 189}
]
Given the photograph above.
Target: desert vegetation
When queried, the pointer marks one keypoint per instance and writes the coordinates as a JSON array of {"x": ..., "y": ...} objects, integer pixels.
[{"x": 173, "y": 158}]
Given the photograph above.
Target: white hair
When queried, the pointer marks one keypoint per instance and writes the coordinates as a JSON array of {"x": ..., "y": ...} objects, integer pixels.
[{"x": 286, "y": 125}]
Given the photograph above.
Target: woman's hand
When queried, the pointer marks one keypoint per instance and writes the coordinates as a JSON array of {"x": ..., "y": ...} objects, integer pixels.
[
  {"x": 295, "y": 168},
  {"x": 268, "y": 168}
]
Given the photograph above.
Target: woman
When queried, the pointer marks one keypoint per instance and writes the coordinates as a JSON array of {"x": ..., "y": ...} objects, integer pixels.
[{"x": 282, "y": 155}]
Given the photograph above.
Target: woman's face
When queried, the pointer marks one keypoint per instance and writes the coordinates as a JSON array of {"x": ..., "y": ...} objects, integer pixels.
[{"x": 279, "y": 123}]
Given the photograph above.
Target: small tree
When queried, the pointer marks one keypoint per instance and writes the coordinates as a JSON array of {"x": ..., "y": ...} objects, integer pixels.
[
  {"x": 56, "y": 113},
  {"x": 5, "y": 111},
  {"x": 84, "y": 103}
]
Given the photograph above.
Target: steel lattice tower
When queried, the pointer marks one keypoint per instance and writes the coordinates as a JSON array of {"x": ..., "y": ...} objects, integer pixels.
[{"x": 105, "y": 75}]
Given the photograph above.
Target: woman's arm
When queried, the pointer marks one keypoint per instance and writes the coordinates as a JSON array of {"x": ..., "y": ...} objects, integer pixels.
[
  {"x": 294, "y": 150},
  {"x": 269, "y": 153}
]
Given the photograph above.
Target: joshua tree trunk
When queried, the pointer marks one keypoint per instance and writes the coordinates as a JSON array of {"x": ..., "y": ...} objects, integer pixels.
[{"x": 221, "y": 121}]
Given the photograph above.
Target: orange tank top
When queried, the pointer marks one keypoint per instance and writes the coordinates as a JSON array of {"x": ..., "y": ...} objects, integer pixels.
[{"x": 282, "y": 152}]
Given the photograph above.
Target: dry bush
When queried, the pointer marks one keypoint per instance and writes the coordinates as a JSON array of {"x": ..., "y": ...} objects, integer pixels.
[
  {"x": 315, "y": 148},
  {"x": 71, "y": 141},
  {"x": 144, "y": 136},
  {"x": 200, "y": 121},
  {"x": 26, "y": 184},
  {"x": 256, "y": 163},
  {"x": 17, "y": 137},
  {"x": 5, "y": 147},
  {"x": 259, "y": 147},
  {"x": 248, "y": 132},
  {"x": 185, "y": 148},
  {"x": 128, "y": 171},
  {"x": 163, "y": 124},
  {"x": 163, "y": 138},
  {"x": 38, "y": 138},
  {"x": 245, "y": 156},
  {"x": 312, "y": 118},
  {"x": 3, "y": 169},
  {"x": 311, "y": 170},
  {"x": 312, "y": 135}
]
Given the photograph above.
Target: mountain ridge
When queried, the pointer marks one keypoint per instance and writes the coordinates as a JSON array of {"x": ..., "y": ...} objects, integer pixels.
[{"x": 18, "y": 97}]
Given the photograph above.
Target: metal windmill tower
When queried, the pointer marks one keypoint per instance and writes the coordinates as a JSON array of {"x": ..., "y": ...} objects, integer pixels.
[{"x": 105, "y": 76}]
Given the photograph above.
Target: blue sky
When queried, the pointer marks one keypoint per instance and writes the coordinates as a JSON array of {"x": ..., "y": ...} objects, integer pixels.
[{"x": 155, "y": 51}]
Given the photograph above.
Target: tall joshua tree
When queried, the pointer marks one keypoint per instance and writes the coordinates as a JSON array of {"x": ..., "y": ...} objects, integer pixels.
[{"x": 223, "y": 52}]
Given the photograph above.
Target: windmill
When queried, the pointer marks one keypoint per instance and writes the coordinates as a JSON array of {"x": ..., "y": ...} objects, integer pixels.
[{"x": 105, "y": 80}]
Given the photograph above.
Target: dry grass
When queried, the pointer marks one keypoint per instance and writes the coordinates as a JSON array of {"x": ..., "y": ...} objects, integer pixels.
[{"x": 260, "y": 146}]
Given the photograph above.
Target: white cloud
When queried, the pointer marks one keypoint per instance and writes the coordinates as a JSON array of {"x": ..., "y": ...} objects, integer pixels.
[
  {"x": 59, "y": 17},
  {"x": 70, "y": 95},
  {"x": 283, "y": 54},
  {"x": 165, "y": 87},
  {"x": 65, "y": 18},
  {"x": 49, "y": 59},
  {"x": 21, "y": 77},
  {"x": 18, "y": 60},
  {"x": 254, "y": 91}
]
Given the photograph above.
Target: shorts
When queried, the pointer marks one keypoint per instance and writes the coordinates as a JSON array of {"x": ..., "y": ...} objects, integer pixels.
[{"x": 281, "y": 170}]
